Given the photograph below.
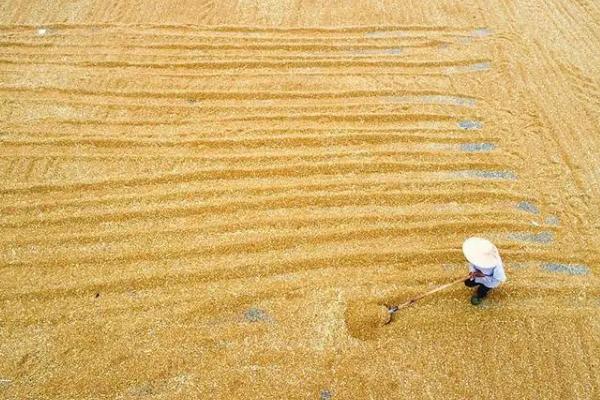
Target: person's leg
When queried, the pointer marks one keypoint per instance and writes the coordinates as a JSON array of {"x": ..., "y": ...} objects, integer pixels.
[
  {"x": 482, "y": 291},
  {"x": 470, "y": 283},
  {"x": 479, "y": 294}
]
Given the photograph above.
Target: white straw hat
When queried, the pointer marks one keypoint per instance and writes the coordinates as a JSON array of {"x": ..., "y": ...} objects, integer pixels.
[{"x": 481, "y": 252}]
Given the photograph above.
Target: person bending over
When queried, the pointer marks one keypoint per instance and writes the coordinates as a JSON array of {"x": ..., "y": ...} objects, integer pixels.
[{"x": 486, "y": 270}]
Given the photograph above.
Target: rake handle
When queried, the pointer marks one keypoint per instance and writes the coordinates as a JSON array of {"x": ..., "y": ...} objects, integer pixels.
[{"x": 407, "y": 303}]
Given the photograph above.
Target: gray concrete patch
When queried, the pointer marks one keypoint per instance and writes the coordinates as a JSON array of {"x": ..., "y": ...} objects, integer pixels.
[
  {"x": 570, "y": 269},
  {"x": 383, "y": 34},
  {"x": 325, "y": 395},
  {"x": 481, "y": 32},
  {"x": 393, "y": 52},
  {"x": 378, "y": 52},
  {"x": 254, "y": 314},
  {"x": 528, "y": 207},
  {"x": 477, "y": 147},
  {"x": 452, "y": 100},
  {"x": 542, "y": 237},
  {"x": 484, "y": 66},
  {"x": 470, "y": 124},
  {"x": 433, "y": 99},
  {"x": 487, "y": 174},
  {"x": 477, "y": 67}
]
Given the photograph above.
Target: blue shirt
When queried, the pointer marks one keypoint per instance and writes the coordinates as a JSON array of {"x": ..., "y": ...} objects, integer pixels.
[{"x": 493, "y": 276}]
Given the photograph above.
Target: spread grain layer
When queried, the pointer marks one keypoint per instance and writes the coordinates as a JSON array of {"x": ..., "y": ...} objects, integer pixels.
[{"x": 204, "y": 199}]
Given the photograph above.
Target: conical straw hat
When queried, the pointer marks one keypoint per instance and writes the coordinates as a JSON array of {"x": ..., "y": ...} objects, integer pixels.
[{"x": 481, "y": 252}]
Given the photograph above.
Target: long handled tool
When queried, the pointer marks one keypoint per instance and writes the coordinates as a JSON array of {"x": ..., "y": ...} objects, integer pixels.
[{"x": 393, "y": 309}]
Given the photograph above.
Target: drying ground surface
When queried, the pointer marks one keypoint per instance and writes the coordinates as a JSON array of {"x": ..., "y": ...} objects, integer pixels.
[{"x": 199, "y": 199}]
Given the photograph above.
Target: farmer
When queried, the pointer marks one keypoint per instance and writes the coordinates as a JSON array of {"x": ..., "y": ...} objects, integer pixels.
[{"x": 485, "y": 267}]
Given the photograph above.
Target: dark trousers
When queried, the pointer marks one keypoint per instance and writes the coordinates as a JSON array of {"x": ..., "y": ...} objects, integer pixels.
[{"x": 482, "y": 290}]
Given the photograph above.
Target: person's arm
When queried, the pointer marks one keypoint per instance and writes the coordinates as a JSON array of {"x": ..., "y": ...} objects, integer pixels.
[
  {"x": 493, "y": 280},
  {"x": 472, "y": 271}
]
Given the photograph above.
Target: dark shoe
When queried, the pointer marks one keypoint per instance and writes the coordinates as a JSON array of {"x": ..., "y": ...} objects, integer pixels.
[{"x": 476, "y": 300}]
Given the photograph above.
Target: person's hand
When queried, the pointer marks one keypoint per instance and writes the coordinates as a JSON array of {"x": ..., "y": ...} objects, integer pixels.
[{"x": 477, "y": 274}]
